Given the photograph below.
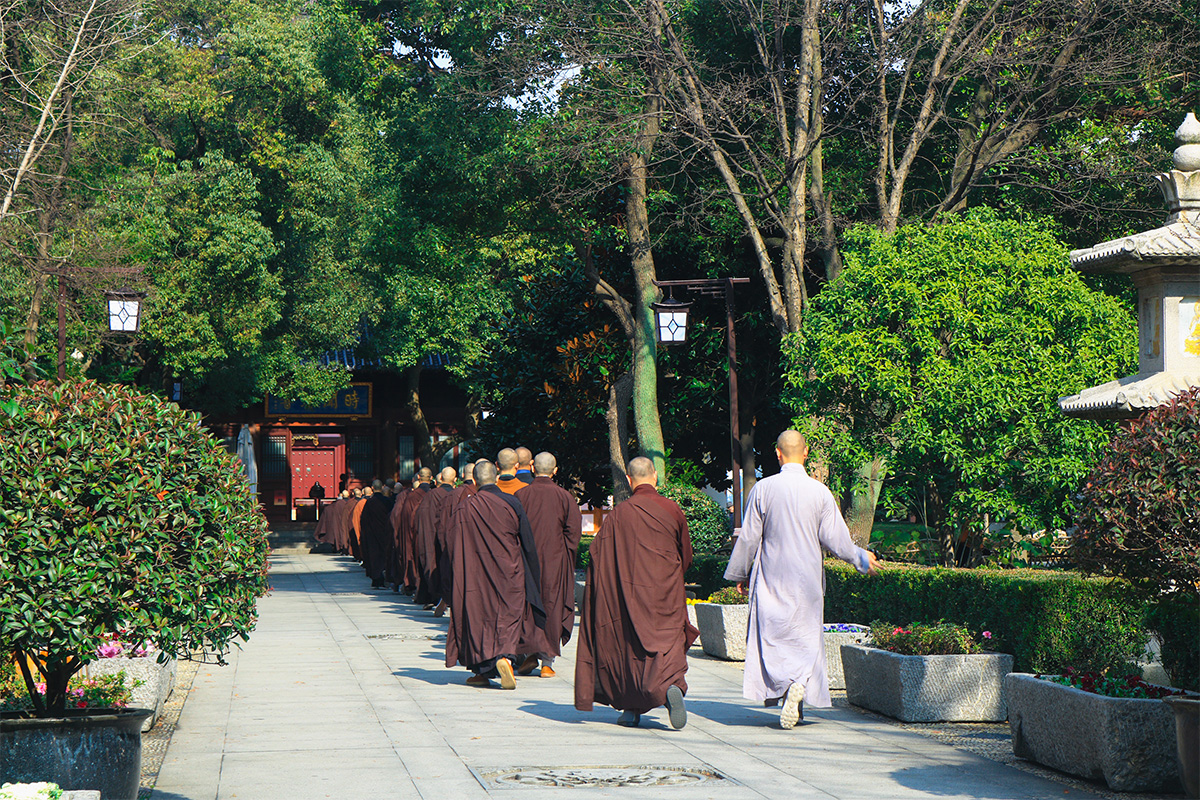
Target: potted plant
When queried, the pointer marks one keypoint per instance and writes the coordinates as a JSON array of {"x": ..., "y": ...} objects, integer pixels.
[
  {"x": 118, "y": 512},
  {"x": 723, "y": 620},
  {"x": 927, "y": 673},
  {"x": 149, "y": 672},
  {"x": 1096, "y": 726},
  {"x": 1140, "y": 520}
]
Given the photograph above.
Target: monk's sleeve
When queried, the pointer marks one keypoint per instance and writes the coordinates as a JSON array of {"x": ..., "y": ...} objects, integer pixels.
[
  {"x": 685, "y": 543},
  {"x": 533, "y": 578},
  {"x": 573, "y": 527},
  {"x": 741, "y": 560},
  {"x": 835, "y": 536}
]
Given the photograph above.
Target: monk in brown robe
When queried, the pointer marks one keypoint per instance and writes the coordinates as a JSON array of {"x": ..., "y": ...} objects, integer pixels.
[
  {"x": 406, "y": 534},
  {"x": 324, "y": 532},
  {"x": 442, "y": 542},
  {"x": 429, "y": 587},
  {"x": 494, "y": 580},
  {"x": 339, "y": 523},
  {"x": 633, "y": 630},
  {"x": 524, "y": 465},
  {"x": 506, "y": 462},
  {"x": 557, "y": 525},
  {"x": 376, "y": 527}
]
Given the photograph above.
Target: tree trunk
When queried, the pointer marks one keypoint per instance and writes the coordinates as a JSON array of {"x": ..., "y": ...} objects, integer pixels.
[
  {"x": 422, "y": 441},
  {"x": 749, "y": 458},
  {"x": 864, "y": 496},
  {"x": 619, "y": 395}
]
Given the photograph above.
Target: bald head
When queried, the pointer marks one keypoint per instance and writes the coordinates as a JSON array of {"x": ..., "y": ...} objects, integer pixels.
[
  {"x": 447, "y": 476},
  {"x": 544, "y": 464},
  {"x": 424, "y": 475},
  {"x": 485, "y": 473},
  {"x": 641, "y": 470},
  {"x": 524, "y": 458},
  {"x": 468, "y": 472},
  {"x": 792, "y": 447},
  {"x": 506, "y": 460}
]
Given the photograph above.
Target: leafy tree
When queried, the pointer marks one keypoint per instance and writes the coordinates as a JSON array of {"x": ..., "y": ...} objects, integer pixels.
[{"x": 942, "y": 349}]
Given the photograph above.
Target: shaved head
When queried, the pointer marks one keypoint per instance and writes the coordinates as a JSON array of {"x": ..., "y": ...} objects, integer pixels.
[
  {"x": 641, "y": 470},
  {"x": 468, "y": 472},
  {"x": 506, "y": 459},
  {"x": 524, "y": 456},
  {"x": 424, "y": 474},
  {"x": 792, "y": 447},
  {"x": 544, "y": 464},
  {"x": 448, "y": 475},
  {"x": 485, "y": 473}
]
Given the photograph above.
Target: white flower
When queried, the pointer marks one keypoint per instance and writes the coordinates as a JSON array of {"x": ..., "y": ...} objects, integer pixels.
[{"x": 30, "y": 791}]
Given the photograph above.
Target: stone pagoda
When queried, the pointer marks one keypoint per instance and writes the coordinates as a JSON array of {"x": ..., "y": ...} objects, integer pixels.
[{"x": 1164, "y": 264}]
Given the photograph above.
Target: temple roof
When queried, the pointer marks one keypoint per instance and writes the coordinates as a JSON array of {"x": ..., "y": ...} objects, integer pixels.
[
  {"x": 1174, "y": 243},
  {"x": 1128, "y": 397}
]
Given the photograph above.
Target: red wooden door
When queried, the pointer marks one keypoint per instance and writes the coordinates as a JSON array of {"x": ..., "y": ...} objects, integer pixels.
[{"x": 312, "y": 465}]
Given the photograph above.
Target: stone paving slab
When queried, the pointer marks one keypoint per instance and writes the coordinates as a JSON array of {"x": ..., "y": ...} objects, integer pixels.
[{"x": 318, "y": 705}]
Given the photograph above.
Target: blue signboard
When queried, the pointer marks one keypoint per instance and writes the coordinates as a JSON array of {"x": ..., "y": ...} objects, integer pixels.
[{"x": 353, "y": 401}]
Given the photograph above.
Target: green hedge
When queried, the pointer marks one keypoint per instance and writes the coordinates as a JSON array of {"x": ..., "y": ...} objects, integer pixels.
[
  {"x": 708, "y": 573},
  {"x": 1046, "y": 620}
]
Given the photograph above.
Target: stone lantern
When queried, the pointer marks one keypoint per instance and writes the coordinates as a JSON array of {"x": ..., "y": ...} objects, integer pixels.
[{"x": 1164, "y": 264}]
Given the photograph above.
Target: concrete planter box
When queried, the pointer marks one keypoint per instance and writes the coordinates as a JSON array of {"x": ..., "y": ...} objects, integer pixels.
[
  {"x": 1128, "y": 743},
  {"x": 723, "y": 629},
  {"x": 962, "y": 688},
  {"x": 833, "y": 651},
  {"x": 157, "y": 681},
  {"x": 691, "y": 614}
]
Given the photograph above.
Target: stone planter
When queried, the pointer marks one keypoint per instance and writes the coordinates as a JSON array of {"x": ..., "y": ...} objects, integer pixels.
[
  {"x": 1128, "y": 743},
  {"x": 1187, "y": 741},
  {"x": 96, "y": 750},
  {"x": 723, "y": 629},
  {"x": 157, "y": 681},
  {"x": 833, "y": 650},
  {"x": 691, "y": 615},
  {"x": 962, "y": 688}
]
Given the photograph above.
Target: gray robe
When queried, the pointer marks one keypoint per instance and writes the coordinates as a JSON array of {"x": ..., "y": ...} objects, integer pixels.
[{"x": 789, "y": 518}]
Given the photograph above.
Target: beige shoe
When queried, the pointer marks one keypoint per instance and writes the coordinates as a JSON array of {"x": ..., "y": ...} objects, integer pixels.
[
  {"x": 507, "y": 681},
  {"x": 790, "y": 712}
]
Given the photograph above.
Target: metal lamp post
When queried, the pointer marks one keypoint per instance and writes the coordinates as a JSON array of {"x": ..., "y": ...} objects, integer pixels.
[{"x": 671, "y": 324}]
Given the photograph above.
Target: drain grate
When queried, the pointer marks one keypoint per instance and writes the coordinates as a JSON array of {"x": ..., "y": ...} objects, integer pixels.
[
  {"x": 598, "y": 777},
  {"x": 346, "y": 594},
  {"x": 417, "y": 637}
]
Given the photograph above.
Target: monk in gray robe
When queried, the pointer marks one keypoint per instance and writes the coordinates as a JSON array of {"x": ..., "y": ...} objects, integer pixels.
[
  {"x": 789, "y": 518},
  {"x": 557, "y": 525},
  {"x": 494, "y": 580},
  {"x": 633, "y": 628}
]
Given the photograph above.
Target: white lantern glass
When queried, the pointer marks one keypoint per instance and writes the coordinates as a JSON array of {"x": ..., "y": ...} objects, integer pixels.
[
  {"x": 123, "y": 314},
  {"x": 672, "y": 323}
]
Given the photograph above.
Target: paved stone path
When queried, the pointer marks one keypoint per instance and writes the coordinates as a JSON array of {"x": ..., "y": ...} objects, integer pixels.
[{"x": 341, "y": 693}]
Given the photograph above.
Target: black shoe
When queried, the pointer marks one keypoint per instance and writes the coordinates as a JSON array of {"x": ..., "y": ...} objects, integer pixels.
[
  {"x": 628, "y": 719},
  {"x": 676, "y": 711}
]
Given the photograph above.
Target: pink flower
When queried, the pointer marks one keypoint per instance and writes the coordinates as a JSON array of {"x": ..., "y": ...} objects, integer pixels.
[
  {"x": 898, "y": 631},
  {"x": 109, "y": 650},
  {"x": 987, "y": 634}
]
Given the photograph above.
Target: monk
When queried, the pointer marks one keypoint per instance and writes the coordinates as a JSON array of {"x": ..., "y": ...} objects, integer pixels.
[
  {"x": 524, "y": 466},
  {"x": 376, "y": 530},
  {"x": 557, "y": 524},
  {"x": 633, "y": 629},
  {"x": 494, "y": 580},
  {"x": 506, "y": 462},
  {"x": 789, "y": 518},
  {"x": 324, "y": 532},
  {"x": 428, "y": 516},
  {"x": 352, "y": 528},
  {"x": 442, "y": 542},
  {"x": 406, "y": 534}
]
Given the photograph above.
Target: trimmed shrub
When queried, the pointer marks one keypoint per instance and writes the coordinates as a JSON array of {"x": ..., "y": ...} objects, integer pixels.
[
  {"x": 708, "y": 573},
  {"x": 1048, "y": 621},
  {"x": 729, "y": 596},
  {"x": 119, "y": 512},
  {"x": 708, "y": 524},
  {"x": 1140, "y": 520}
]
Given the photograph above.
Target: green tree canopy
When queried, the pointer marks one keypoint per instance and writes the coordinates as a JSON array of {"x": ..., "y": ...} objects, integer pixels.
[{"x": 943, "y": 349}]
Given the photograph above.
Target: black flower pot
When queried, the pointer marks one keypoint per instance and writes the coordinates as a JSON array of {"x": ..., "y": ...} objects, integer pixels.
[
  {"x": 87, "y": 749},
  {"x": 1187, "y": 739}
]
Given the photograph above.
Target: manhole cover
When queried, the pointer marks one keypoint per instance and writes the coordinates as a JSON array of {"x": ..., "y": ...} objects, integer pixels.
[
  {"x": 424, "y": 637},
  {"x": 606, "y": 777}
]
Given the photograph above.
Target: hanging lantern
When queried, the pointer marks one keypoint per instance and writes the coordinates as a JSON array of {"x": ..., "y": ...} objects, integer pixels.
[
  {"x": 124, "y": 309},
  {"x": 671, "y": 320}
]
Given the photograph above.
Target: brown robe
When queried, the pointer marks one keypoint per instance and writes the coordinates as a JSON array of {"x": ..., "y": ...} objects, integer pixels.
[
  {"x": 557, "y": 524},
  {"x": 494, "y": 579},
  {"x": 324, "y": 532},
  {"x": 406, "y": 537},
  {"x": 393, "y": 568},
  {"x": 427, "y": 519},
  {"x": 376, "y": 529},
  {"x": 445, "y": 560},
  {"x": 633, "y": 628},
  {"x": 510, "y": 485},
  {"x": 355, "y": 535}
]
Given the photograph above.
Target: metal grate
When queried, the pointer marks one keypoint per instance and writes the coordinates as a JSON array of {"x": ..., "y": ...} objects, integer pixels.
[
  {"x": 360, "y": 456},
  {"x": 274, "y": 456},
  {"x": 598, "y": 777},
  {"x": 424, "y": 637},
  {"x": 406, "y": 457}
]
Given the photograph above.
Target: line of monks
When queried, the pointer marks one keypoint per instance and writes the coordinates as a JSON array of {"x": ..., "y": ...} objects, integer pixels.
[{"x": 498, "y": 551}]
